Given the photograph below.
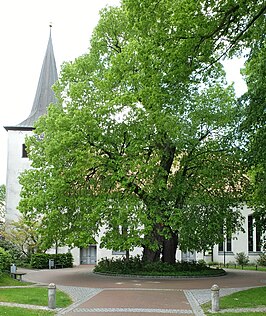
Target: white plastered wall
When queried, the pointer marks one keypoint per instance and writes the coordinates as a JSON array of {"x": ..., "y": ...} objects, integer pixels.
[{"x": 15, "y": 165}]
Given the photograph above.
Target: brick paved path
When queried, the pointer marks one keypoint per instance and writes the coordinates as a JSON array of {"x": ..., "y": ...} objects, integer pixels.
[{"x": 97, "y": 295}]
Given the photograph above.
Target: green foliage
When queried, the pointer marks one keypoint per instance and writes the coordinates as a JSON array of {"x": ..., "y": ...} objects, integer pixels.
[
  {"x": 5, "y": 260},
  {"x": 22, "y": 239},
  {"x": 136, "y": 266},
  {"x": 2, "y": 195},
  {"x": 41, "y": 260},
  {"x": 144, "y": 140},
  {"x": 18, "y": 256},
  {"x": 242, "y": 259},
  {"x": 202, "y": 263},
  {"x": 2, "y": 201},
  {"x": 254, "y": 126},
  {"x": 262, "y": 260}
]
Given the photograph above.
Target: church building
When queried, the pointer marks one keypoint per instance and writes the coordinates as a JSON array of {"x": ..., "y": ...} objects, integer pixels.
[{"x": 17, "y": 162}]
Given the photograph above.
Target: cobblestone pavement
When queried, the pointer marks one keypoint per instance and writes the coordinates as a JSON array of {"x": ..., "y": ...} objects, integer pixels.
[{"x": 97, "y": 295}]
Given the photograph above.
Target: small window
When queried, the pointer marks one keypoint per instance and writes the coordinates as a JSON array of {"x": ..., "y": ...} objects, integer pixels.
[{"x": 24, "y": 151}]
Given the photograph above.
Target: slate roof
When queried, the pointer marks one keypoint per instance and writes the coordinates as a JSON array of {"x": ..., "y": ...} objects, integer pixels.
[{"x": 44, "y": 94}]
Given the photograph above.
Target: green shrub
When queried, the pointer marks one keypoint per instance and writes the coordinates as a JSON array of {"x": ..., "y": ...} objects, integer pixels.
[
  {"x": 11, "y": 248},
  {"x": 5, "y": 260},
  {"x": 136, "y": 266},
  {"x": 262, "y": 260},
  {"x": 19, "y": 258},
  {"x": 41, "y": 260},
  {"x": 202, "y": 263},
  {"x": 158, "y": 267},
  {"x": 64, "y": 259},
  {"x": 241, "y": 259}
]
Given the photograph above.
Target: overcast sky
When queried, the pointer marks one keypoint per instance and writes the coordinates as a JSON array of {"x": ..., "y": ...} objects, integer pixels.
[{"x": 24, "y": 31}]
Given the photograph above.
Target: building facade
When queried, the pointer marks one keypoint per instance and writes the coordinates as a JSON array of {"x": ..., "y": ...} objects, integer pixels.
[{"x": 18, "y": 161}]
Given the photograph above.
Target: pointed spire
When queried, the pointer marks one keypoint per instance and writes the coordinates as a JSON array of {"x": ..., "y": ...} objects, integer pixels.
[{"x": 44, "y": 94}]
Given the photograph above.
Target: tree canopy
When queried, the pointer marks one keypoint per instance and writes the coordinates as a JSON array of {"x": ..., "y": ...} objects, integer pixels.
[
  {"x": 144, "y": 141},
  {"x": 254, "y": 127}
]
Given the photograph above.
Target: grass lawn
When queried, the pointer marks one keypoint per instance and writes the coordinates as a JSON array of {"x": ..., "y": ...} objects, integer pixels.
[
  {"x": 33, "y": 296},
  {"x": 6, "y": 280},
  {"x": 244, "y": 299},
  {"x": 250, "y": 298},
  {"x": 237, "y": 267},
  {"x": 15, "y": 311},
  {"x": 252, "y": 268},
  {"x": 27, "y": 295}
]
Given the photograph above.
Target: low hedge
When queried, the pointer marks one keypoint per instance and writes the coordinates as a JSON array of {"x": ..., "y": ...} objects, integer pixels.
[
  {"x": 135, "y": 266},
  {"x": 5, "y": 260},
  {"x": 41, "y": 260}
]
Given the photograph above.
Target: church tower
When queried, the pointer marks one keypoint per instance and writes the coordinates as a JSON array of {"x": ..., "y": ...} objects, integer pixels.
[{"x": 17, "y": 160}]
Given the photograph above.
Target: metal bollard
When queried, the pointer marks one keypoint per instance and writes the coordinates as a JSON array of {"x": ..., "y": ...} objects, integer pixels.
[
  {"x": 52, "y": 296},
  {"x": 13, "y": 269},
  {"x": 215, "y": 298}
]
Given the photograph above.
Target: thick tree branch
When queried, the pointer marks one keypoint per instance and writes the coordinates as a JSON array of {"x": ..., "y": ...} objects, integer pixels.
[{"x": 238, "y": 37}]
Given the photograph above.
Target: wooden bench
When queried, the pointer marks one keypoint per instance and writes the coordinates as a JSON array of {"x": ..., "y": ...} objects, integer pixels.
[{"x": 18, "y": 275}]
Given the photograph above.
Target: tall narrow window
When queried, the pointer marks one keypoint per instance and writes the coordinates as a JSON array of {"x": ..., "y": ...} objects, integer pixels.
[
  {"x": 229, "y": 244},
  {"x": 221, "y": 246},
  {"x": 24, "y": 151},
  {"x": 250, "y": 233},
  {"x": 258, "y": 239}
]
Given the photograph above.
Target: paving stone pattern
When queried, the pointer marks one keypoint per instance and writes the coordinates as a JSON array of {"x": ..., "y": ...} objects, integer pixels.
[{"x": 102, "y": 296}]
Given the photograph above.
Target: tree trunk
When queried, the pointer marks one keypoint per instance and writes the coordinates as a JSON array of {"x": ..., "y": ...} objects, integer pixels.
[
  {"x": 169, "y": 249},
  {"x": 56, "y": 247},
  {"x": 150, "y": 255},
  {"x": 127, "y": 255}
]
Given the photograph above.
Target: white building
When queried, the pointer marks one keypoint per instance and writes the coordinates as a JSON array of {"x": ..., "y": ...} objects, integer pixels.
[{"x": 17, "y": 162}]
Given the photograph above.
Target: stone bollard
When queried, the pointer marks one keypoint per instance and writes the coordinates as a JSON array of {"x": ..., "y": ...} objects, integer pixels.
[
  {"x": 51, "y": 296},
  {"x": 215, "y": 298}
]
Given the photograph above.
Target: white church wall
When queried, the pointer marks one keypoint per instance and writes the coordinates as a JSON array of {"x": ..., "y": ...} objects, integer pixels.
[
  {"x": 239, "y": 243},
  {"x": 112, "y": 253},
  {"x": 15, "y": 165},
  {"x": 74, "y": 251},
  {"x": 76, "y": 255}
]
